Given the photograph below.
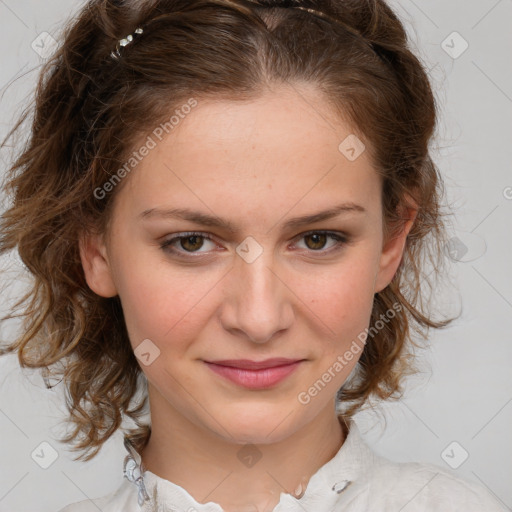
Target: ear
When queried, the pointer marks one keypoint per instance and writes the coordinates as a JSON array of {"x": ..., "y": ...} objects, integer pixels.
[
  {"x": 96, "y": 265},
  {"x": 393, "y": 250}
]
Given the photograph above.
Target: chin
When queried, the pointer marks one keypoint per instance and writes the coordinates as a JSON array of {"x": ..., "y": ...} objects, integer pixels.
[{"x": 257, "y": 424}]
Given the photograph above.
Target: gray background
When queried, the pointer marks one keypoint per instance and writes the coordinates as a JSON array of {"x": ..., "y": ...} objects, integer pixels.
[{"x": 457, "y": 412}]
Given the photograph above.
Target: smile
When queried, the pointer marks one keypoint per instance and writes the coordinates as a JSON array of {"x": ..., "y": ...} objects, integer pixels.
[{"x": 260, "y": 378}]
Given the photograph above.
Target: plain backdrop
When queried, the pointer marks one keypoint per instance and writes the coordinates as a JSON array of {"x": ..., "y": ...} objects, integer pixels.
[{"x": 457, "y": 413}]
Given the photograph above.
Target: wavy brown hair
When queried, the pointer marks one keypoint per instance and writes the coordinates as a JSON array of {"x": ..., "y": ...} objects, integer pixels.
[{"x": 89, "y": 111}]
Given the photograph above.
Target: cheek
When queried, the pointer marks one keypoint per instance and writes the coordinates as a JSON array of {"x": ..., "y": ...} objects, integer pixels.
[
  {"x": 338, "y": 308},
  {"x": 162, "y": 303},
  {"x": 341, "y": 299}
]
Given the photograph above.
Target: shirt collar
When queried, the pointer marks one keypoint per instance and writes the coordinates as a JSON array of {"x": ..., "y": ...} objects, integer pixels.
[{"x": 329, "y": 486}]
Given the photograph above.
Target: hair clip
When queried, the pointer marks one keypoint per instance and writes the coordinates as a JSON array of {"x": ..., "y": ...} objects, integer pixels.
[{"x": 124, "y": 42}]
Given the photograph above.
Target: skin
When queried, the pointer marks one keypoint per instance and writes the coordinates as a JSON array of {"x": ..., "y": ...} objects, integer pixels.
[{"x": 256, "y": 164}]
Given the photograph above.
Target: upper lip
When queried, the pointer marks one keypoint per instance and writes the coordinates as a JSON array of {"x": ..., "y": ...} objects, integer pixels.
[{"x": 247, "y": 364}]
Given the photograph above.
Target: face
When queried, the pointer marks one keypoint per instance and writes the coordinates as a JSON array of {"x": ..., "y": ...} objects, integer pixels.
[{"x": 254, "y": 283}]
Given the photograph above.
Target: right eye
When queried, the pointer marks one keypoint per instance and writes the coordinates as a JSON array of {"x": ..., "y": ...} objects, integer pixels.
[{"x": 188, "y": 243}]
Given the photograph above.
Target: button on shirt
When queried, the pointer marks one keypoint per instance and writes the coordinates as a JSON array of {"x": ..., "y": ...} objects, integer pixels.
[{"x": 355, "y": 480}]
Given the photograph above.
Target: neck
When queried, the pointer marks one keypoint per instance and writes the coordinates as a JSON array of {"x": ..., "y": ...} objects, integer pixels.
[{"x": 236, "y": 475}]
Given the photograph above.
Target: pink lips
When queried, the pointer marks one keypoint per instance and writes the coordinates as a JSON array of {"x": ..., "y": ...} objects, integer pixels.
[{"x": 254, "y": 374}]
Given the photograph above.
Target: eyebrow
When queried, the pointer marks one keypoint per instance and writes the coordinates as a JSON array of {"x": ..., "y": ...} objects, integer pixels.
[{"x": 213, "y": 221}]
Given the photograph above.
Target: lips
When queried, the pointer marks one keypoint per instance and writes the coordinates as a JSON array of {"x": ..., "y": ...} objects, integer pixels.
[
  {"x": 247, "y": 364},
  {"x": 255, "y": 375}
]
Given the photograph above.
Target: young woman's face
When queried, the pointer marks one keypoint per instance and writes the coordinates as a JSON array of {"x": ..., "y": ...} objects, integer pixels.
[{"x": 272, "y": 286}]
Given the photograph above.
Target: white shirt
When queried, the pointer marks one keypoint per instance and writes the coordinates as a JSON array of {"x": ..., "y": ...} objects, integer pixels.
[{"x": 355, "y": 480}]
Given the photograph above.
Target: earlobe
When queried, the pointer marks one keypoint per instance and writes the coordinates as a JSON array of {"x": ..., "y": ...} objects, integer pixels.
[
  {"x": 96, "y": 265},
  {"x": 392, "y": 253}
]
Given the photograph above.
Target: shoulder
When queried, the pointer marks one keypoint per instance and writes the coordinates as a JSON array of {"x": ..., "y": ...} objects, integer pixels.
[
  {"x": 124, "y": 499},
  {"x": 426, "y": 487}
]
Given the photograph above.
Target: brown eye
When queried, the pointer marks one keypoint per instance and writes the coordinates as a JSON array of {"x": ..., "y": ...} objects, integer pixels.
[
  {"x": 188, "y": 243},
  {"x": 192, "y": 243},
  {"x": 318, "y": 241}
]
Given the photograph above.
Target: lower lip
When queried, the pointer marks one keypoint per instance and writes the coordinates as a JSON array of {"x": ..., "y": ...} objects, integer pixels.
[{"x": 255, "y": 379}]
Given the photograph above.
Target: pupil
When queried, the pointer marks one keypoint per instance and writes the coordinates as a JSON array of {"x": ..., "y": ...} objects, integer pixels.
[
  {"x": 193, "y": 241},
  {"x": 317, "y": 239}
]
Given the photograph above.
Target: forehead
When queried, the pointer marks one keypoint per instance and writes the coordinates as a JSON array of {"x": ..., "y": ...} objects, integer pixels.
[
  {"x": 280, "y": 149},
  {"x": 291, "y": 121}
]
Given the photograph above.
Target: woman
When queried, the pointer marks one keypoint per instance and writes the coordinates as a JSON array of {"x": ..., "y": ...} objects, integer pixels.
[{"x": 231, "y": 204}]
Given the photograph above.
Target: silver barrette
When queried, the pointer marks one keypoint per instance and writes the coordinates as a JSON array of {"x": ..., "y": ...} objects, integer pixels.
[{"x": 123, "y": 42}]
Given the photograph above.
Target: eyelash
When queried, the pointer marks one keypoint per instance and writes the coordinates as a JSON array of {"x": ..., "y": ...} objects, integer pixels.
[{"x": 341, "y": 241}]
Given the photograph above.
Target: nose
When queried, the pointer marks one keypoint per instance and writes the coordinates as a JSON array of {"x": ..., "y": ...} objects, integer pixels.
[{"x": 258, "y": 304}]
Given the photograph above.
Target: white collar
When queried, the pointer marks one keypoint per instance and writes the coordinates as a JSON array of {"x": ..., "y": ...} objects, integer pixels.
[{"x": 327, "y": 488}]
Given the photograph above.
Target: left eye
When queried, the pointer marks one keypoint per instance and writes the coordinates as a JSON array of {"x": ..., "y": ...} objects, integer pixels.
[
  {"x": 190, "y": 243},
  {"x": 317, "y": 240}
]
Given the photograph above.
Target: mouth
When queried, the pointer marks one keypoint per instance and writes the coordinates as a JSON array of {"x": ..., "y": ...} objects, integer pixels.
[
  {"x": 247, "y": 364},
  {"x": 255, "y": 374}
]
